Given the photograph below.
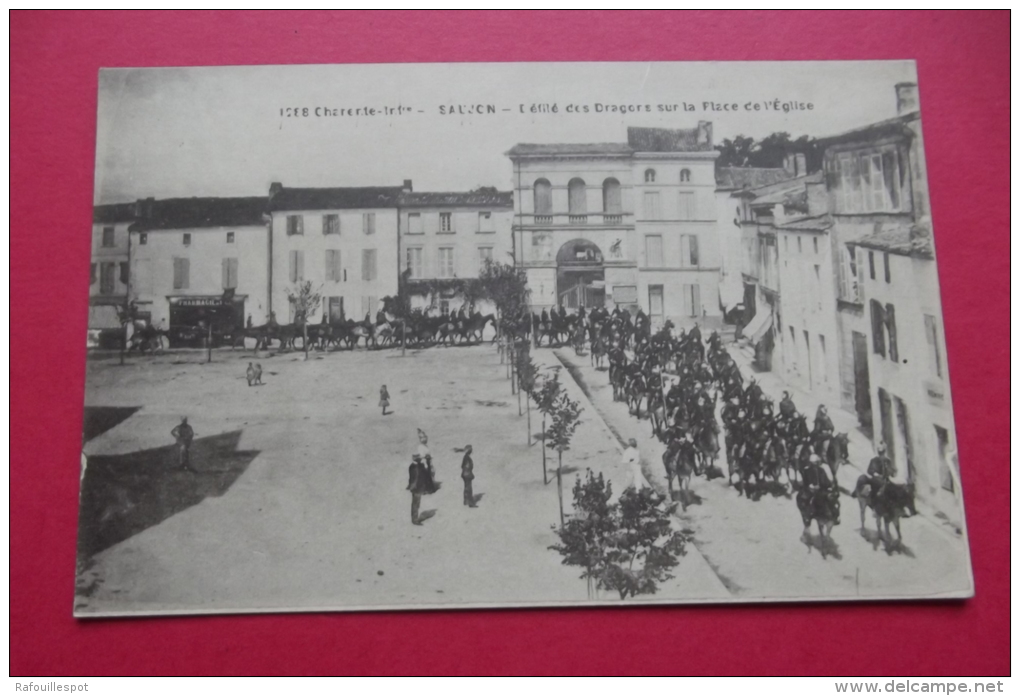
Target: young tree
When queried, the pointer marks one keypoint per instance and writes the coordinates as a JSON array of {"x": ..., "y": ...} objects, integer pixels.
[
  {"x": 545, "y": 398},
  {"x": 565, "y": 418},
  {"x": 629, "y": 546},
  {"x": 527, "y": 372},
  {"x": 306, "y": 301}
]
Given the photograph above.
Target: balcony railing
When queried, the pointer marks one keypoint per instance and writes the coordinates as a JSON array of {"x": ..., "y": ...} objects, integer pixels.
[
  {"x": 578, "y": 219},
  {"x": 600, "y": 218},
  {"x": 612, "y": 219},
  {"x": 543, "y": 219}
]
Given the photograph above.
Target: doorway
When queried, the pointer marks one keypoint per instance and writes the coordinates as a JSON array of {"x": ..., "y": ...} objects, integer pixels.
[
  {"x": 655, "y": 306},
  {"x": 862, "y": 382},
  {"x": 580, "y": 276}
]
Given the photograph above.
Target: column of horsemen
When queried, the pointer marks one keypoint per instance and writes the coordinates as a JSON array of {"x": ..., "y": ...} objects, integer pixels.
[{"x": 677, "y": 380}]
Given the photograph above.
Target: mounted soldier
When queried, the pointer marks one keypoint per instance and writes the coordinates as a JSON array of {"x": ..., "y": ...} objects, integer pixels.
[
  {"x": 823, "y": 430},
  {"x": 787, "y": 409}
]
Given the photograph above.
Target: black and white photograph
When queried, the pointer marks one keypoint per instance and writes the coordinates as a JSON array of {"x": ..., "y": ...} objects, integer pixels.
[{"x": 417, "y": 336}]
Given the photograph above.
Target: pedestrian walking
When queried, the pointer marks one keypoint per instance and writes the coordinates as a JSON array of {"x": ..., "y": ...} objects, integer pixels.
[
  {"x": 467, "y": 472},
  {"x": 384, "y": 399},
  {"x": 183, "y": 434},
  {"x": 632, "y": 460}
]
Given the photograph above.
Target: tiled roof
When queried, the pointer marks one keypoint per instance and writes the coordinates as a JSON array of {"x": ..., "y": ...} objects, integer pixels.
[
  {"x": 666, "y": 140},
  {"x": 810, "y": 224},
  {"x": 335, "y": 198},
  {"x": 891, "y": 126},
  {"x": 116, "y": 212},
  {"x": 784, "y": 191},
  {"x": 905, "y": 239},
  {"x": 188, "y": 213},
  {"x": 481, "y": 198},
  {"x": 553, "y": 149},
  {"x": 737, "y": 178}
]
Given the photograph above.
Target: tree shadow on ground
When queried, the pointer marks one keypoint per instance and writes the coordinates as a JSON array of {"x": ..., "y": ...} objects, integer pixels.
[
  {"x": 124, "y": 494},
  {"x": 98, "y": 419}
]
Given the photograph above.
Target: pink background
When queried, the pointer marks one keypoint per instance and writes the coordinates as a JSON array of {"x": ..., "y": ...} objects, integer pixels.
[{"x": 963, "y": 66}]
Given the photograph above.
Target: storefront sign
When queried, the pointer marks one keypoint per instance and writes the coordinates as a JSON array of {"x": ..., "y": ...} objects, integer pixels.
[{"x": 625, "y": 294}]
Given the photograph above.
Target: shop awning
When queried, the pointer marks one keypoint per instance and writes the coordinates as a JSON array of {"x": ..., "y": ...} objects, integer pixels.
[{"x": 760, "y": 324}]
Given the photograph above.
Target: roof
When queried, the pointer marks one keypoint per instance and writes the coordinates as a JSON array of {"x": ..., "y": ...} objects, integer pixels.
[
  {"x": 116, "y": 212},
  {"x": 189, "y": 213},
  {"x": 736, "y": 178},
  {"x": 788, "y": 191},
  {"x": 667, "y": 140},
  {"x": 480, "y": 198},
  {"x": 816, "y": 223},
  {"x": 873, "y": 131},
  {"x": 554, "y": 149},
  {"x": 335, "y": 198},
  {"x": 903, "y": 238}
]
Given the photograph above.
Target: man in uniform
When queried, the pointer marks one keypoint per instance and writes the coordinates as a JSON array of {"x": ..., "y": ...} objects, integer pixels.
[
  {"x": 183, "y": 435},
  {"x": 467, "y": 472},
  {"x": 823, "y": 429},
  {"x": 880, "y": 470}
]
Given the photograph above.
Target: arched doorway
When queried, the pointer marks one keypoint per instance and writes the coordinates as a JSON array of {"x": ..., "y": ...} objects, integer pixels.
[{"x": 580, "y": 275}]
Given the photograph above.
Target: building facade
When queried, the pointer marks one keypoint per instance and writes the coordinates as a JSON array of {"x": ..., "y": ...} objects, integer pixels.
[
  {"x": 447, "y": 237},
  {"x": 345, "y": 241},
  {"x": 199, "y": 261},
  {"x": 109, "y": 270},
  {"x": 629, "y": 225}
]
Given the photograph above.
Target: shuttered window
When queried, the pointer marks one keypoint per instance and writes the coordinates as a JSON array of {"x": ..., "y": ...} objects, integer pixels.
[
  {"x": 651, "y": 208},
  {"x": 414, "y": 224},
  {"x": 182, "y": 271},
  {"x": 877, "y": 328},
  {"x": 688, "y": 250},
  {"x": 890, "y": 327},
  {"x": 368, "y": 269},
  {"x": 125, "y": 272},
  {"x": 653, "y": 251},
  {"x": 931, "y": 334},
  {"x": 685, "y": 206},
  {"x": 109, "y": 239},
  {"x": 229, "y": 273},
  {"x": 543, "y": 198},
  {"x": 107, "y": 275},
  {"x": 295, "y": 224},
  {"x": 297, "y": 266},
  {"x": 368, "y": 223},
  {"x": 333, "y": 269},
  {"x": 692, "y": 300},
  {"x": 331, "y": 224}
]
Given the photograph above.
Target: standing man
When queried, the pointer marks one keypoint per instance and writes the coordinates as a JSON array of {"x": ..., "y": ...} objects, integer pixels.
[
  {"x": 183, "y": 435},
  {"x": 632, "y": 460},
  {"x": 417, "y": 483},
  {"x": 467, "y": 472}
]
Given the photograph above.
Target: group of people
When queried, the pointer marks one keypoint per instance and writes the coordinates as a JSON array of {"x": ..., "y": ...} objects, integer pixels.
[{"x": 421, "y": 477}]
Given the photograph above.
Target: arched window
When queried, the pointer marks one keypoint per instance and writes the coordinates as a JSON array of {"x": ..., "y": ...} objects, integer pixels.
[
  {"x": 649, "y": 176},
  {"x": 685, "y": 175},
  {"x": 543, "y": 197},
  {"x": 576, "y": 197},
  {"x": 611, "y": 203}
]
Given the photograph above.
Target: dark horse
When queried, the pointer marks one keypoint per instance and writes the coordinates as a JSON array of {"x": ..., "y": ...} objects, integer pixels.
[
  {"x": 818, "y": 500},
  {"x": 889, "y": 502}
]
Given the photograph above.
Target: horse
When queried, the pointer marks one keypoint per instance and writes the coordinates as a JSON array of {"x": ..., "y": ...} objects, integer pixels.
[
  {"x": 680, "y": 464},
  {"x": 473, "y": 328},
  {"x": 706, "y": 440},
  {"x": 836, "y": 453},
  {"x": 889, "y": 502}
]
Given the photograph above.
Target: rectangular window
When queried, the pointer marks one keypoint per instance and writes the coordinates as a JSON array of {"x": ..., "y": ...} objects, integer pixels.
[
  {"x": 931, "y": 333},
  {"x": 871, "y": 264},
  {"x": 297, "y": 266},
  {"x": 651, "y": 209},
  {"x": 446, "y": 262},
  {"x": 331, "y": 224},
  {"x": 814, "y": 243},
  {"x": 414, "y": 224},
  {"x": 692, "y": 300},
  {"x": 800, "y": 245},
  {"x": 125, "y": 272},
  {"x": 653, "y": 251},
  {"x": 182, "y": 271},
  {"x": 890, "y": 328},
  {"x": 230, "y": 237},
  {"x": 685, "y": 206},
  {"x": 368, "y": 223},
  {"x": 414, "y": 261},
  {"x": 229, "y": 273},
  {"x": 143, "y": 238},
  {"x": 109, "y": 238},
  {"x": 885, "y": 262},
  {"x": 187, "y": 239},
  {"x": 295, "y": 225},
  {"x": 486, "y": 224},
  {"x": 877, "y": 328},
  {"x": 848, "y": 286},
  {"x": 688, "y": 250},
  {"x": 368, "y": 269},
  {"x": 107, "y": 276},
  {"x": 446, "y": 222},
  {"x": 655, "y": 301},
  {"x": 334, "y": 272},
  {"x": 484, "y": 254}
]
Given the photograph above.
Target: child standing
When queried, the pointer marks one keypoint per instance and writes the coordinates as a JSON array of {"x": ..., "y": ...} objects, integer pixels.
[{"x": 384, "y": 399}]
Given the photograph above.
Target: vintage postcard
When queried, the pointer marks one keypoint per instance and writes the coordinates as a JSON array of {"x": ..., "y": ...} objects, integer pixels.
[{"x": 494, "y": 335}]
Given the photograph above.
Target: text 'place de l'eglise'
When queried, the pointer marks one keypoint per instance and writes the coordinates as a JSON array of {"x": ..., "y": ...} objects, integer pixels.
[{"x": 824, "y": 269}]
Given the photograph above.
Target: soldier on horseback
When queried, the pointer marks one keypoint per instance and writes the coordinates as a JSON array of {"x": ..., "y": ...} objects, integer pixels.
[
  {"x": 881, "y": 470},
  {"x": 823, "y": 430}
]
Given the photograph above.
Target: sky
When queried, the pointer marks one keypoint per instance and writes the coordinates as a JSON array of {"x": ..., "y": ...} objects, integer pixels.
[{"x": 225, "y": 131}]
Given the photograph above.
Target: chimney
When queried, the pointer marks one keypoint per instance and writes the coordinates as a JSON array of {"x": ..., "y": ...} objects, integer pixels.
[
  {"x": 274, "y": 188},
  {"x": 800, "y": 164},
  {"x": 817, "y": 198},
  {"x": 705, "y": 134},
  {"x": 408, "y": 188},
  {"x": 906, "y": 98}
]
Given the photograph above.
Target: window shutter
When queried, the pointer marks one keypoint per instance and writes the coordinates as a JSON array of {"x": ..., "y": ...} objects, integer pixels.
[
  {"x": 125, "y": 272},
  {"x": 877, "y": 328},
  {"x": 890, "y": 323},
  {"x": 186, "y": 273},
  {"x": 177, "y": 274},
  {"x": 693, "y": 242},
  {"x": 695, "y": 300}
]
